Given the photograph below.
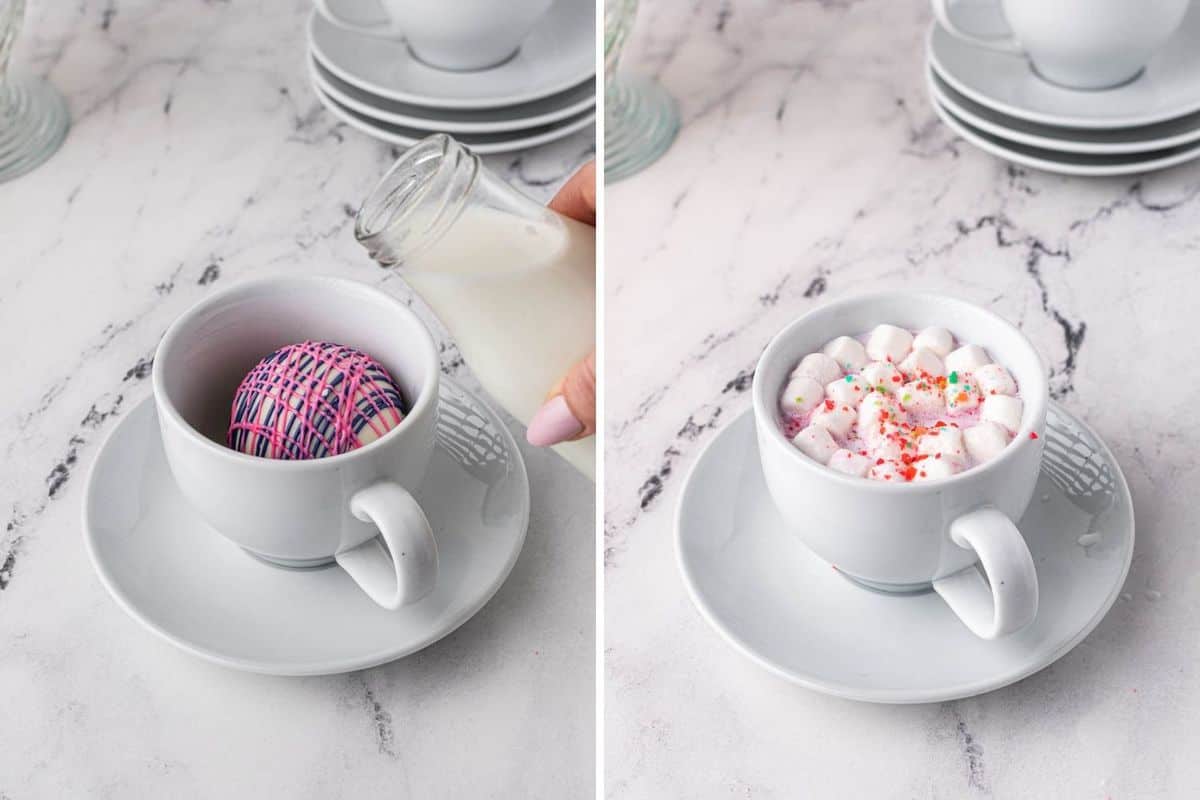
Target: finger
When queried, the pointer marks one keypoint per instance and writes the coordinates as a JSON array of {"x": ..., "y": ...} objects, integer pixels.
[
  {"x": 570, "y": 413},
  {"x": 577, "y": 197}
]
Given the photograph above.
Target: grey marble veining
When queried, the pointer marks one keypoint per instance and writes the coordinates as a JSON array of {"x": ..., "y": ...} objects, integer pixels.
[
  {"x": 811, "y": 165},
  {"x": 199, "y": 156}
]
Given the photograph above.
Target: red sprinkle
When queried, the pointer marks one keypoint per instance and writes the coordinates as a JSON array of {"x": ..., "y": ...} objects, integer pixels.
[
  {"x": 829, "y": 405},
  {"x": 879, "y": 462},
  {"x": 1033, "y": 434}
]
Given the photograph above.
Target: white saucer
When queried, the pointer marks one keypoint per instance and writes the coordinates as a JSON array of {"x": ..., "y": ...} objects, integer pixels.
[
  {"x": 481, "y": 143},
  {"x": 1081, "y": 164},
  {"x": 204, "y": 594},
  {"x": 558, "y": 54},
  {"x": 1169, "y": 87},
  {"x": 1144, "y": 138},
  {"x": 575, "y": 100},
  {"x": 791, "y": 612}
]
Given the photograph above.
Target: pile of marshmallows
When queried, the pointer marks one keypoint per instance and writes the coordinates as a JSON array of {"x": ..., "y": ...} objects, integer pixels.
[{"x": 902, "y": 408}]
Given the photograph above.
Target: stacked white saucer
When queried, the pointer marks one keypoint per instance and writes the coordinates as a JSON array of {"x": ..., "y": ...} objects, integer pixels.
[
  {"x": 546, "y": 91},
  {"x": 997, "y": 102}
]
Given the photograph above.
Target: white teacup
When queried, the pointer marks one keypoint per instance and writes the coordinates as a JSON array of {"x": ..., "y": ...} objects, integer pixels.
[
  {"x": 903, "y": 537},
  {"x": 452, "y": 34},
  {"x": 1080, "y": 44},
  {"x": 355, "y": 508}
]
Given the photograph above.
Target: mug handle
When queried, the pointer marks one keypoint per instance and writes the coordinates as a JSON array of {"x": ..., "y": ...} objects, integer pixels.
[
  {"x": 384, "y": 28},
  {"x": 409, "y": 571},
  {"x": 941, "y": 10},
  {"x": 1007, "y": 601}
]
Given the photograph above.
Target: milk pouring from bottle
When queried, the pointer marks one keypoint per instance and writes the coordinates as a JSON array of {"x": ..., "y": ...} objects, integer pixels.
[{"x": 513, "y": 282}]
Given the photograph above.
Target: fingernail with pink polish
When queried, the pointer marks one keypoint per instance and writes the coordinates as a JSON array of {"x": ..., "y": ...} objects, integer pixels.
[{"x": 553, "y": 423}]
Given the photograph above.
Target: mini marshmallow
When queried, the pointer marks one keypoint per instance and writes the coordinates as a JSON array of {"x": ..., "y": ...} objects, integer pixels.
[
  {"x": 943, "y": 444},
  {"x": 994, "y": 379},
  {"x": 967, "y": 359},
  {"x": 917, "y": 397},
  {"x": 801, "y": 395},
  {"x": 888, "y": 471},
  {"x": 851, "y": 463},
  {"x": 816, "y": 443},
  {"x": 819, "y": 367},
  {"x": 889, "y": 343},
  {"x": 922, "y": 362},
  {"x": 985, "y": 441},
  {"x": 878, "y": 409},
  {"x": 931, "y": 469},
  {"x": 836, "y": 420},
  {"x": 848, "y": 352},
  {"x": 879, "y": 426},
  {"x": 961, "y": 398},
  {"x": 1003, "y": 410},
  {"x": 880, "y": 374},
  {"x": 847, "y": 391},
  {"x": 939, "y": 340},
  {"x": 887, "y": 446}
]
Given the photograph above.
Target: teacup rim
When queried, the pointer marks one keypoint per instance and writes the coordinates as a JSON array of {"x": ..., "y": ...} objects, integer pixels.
[
  {"x": 763, "y": 406},
  {"x": 426, "y": 398}
]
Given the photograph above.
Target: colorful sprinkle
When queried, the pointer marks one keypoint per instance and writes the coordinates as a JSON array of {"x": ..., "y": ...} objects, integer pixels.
[{"x": 953, "y": 377}]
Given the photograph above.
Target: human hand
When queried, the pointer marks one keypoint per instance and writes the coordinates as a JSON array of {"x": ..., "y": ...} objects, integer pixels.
[{"x": 570, "y": 409}]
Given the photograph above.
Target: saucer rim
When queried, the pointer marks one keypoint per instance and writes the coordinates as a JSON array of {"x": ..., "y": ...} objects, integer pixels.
[
  {"x": 1115, "y": 121},
  {"x": 896, "y": 696},
  {"x": 568, "y": 127},
  {"x": 975, "y": 138},
  {"x": 433, "y": 101},
  {"x": 290, "y": 668},
  {"x": 506, "y": 125},
  {"x": 1063, "y": 145}
]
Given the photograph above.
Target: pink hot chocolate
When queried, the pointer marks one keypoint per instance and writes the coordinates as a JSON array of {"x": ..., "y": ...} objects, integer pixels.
[{"x": 898, "y": 405}]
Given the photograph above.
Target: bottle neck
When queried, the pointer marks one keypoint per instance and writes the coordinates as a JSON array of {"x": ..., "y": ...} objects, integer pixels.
[{"x": 418, "y": 200}]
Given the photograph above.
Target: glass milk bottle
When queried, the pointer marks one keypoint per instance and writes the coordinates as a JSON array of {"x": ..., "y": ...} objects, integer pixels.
[{"x": 513, "y": 282}]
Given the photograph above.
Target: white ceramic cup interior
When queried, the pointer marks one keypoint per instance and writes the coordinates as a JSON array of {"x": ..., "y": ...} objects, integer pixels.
[
  {"x": 1079, "y": 44},
  {"x": 904, "y": 537},
  {"x": 458, "y": 35},
  {"x": 355, "y": 508}
]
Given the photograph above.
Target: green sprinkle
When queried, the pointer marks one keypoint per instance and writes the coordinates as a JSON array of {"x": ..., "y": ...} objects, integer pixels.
[
  {"x": 907, "y": 398},
  {"x": 799, "y": 399},
  {"x": 849, "y": 379},
  {"x": 953, "y": 377}
]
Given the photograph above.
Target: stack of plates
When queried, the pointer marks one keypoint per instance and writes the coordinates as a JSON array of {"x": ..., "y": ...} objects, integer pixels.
[
  {"x": 996, "y": 102},
  {"x": 545, "y": 92}
]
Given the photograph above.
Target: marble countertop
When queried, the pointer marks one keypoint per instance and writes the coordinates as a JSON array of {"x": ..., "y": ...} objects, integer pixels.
[
  {"x": 810, "y": 165},
  {"x": 199, "y": 156}
]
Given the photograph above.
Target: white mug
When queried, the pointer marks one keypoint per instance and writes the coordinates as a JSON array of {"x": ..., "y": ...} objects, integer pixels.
[
  {"x": 451, "y": 34},
  {"x": 904, "y": 537},
  {"x": 1080, "y": 44},
  {"x": 356, "y": 508}
]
